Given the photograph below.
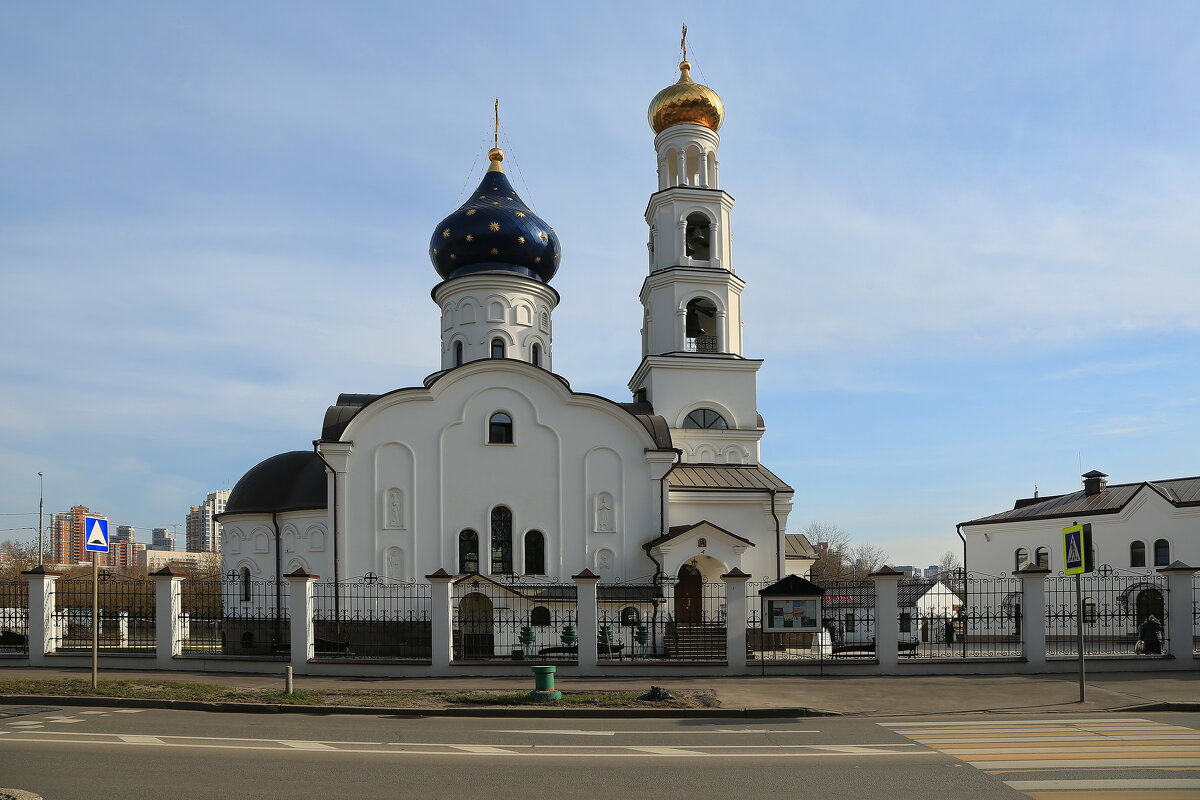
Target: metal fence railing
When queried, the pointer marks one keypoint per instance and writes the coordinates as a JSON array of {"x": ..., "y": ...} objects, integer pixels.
[
  {"x": 976, "y": 616},
  {"x": 14, "y": 617},
  {"x": 1115, "y": 603},
  {"x": 372, "y": 618},
  {"x": 1196, "y": 613},
  {"x": 235, "y": 616},
  {"x": 514, "y": 619},
  {"x": 664, "y": 620},
  {"x": 126, "y": 615}
]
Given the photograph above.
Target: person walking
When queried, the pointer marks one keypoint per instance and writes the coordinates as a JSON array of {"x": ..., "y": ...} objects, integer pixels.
[{"x": 1149, "y": 634}]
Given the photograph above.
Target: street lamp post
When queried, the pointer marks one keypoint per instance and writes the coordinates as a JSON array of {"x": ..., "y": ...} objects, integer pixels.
[{"x": 41, "y": 506}]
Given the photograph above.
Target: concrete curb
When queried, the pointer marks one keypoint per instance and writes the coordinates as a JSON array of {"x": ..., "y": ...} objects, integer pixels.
[{"x": 481, "y": 711}]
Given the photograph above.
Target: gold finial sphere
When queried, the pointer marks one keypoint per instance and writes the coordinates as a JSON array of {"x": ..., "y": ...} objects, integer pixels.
[
  {"x": 495, "y": 155},
  {"x": 686, "y": 102}
]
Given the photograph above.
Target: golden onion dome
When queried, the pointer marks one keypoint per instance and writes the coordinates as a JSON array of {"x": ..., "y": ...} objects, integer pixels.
[{"x": 686, "y": 102}]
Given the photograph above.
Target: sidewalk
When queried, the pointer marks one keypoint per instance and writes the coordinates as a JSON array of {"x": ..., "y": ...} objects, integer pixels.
[{"x": 875, "y": 696}]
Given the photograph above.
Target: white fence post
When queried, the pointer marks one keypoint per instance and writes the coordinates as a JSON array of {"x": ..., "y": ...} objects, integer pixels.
[
  {"x": 441, "y": 620},
  {"x": 589, "y": 619},
  {"x": 300, "y": 610},
  {"x": 40, "y": 620},
  {"x": 735, "y": 620},
  {"x": 887, "y": 617},
  {"x": 1179, "y": 608},
  {"x": 168, "y": 606},
  {"x": 1033, "y": 614}
]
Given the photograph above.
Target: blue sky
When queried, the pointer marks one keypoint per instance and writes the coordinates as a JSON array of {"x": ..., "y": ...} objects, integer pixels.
[{"x": 969, "y": 233}]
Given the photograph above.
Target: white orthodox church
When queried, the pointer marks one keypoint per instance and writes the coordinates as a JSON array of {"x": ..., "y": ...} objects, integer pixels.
[{"x": 494, "y": 466}]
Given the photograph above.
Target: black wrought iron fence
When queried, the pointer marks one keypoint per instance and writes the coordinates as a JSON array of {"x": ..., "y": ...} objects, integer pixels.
[
  {"x": 848, "y": 618},
  {"x": 126, "y": 614},
  {"x": 1115, "y": 603},
  {"x": 371, "y": 618},
  {"x": 514, "y": 619},
  {"x": 235, "y": 617},
  {"x": 1196, "y": 612},
  {"x": 14, "y": 617},
  {"x": 667, "y": 619},
  {"x": 976, "y": 616}
]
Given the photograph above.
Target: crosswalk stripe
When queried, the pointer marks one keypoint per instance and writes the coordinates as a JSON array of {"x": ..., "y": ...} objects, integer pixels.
[
  {"x": 1115, "y": 783},
  {"x": 1007, "y": 723},
  {"x": 667, "y": 751},
  {"x": 1109, "y": 763},
  {"x": 305, "y": 745},
  {"x": 1172, "y": 737}
]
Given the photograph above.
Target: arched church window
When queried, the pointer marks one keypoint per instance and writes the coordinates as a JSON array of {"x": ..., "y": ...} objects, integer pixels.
[
  {"x": 458, "y": 354},
  {"x": 535, "y": 355},
  {"x": 539, "y": 616},
  {"x": 468, "y": 552},
  {"x": 630, "y": 617},
  {"x": 1162, "y": 553},
  {"x": 535, "y": 553},
  {"x": 705, "y": 418},
  {"x": 1022, "y": 558},
  {"x": 500, "y": 429},
  {"x": 497, "y": 348},
  {"x": 1042, "y": 557},
  {"x": 245, "y": 576},
  {"x": 502, "y": 563},
  {"x": 697, "y": 235},
  {"x": 1137, "y": 554},
  {"x": 701, "y": 326}
]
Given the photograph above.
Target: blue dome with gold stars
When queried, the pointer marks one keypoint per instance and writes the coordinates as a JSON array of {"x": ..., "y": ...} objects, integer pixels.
[{"x": 494, "y": 231}]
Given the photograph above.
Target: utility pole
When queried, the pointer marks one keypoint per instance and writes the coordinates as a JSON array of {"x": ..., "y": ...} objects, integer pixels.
[{"x": 41, "y": 506}]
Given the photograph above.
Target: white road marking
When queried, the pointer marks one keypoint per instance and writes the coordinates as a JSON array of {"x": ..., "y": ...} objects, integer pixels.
[
  {"x": 1116, "y": 783},
  {"x": 128, "y": 710},
  {"x": 25, "y": 724},
  {"x": 483, "y": 749},
  {"x": 97, "y": 713},
  {"x": 64, "y": 720},
  {"x": 984, "y": 723},
  {"x": 1075, "y": 748},
  {"x": 723, "y": 731},
  {"x": 448, "y": 749}
]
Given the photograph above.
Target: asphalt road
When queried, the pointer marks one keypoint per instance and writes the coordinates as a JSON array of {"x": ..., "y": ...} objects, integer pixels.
[{"x": 75, "y": 753}]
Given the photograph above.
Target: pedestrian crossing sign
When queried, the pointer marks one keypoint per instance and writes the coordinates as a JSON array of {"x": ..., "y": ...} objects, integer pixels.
[
  {"x": 1077, "y": 549},
  {"x": 96, "y": 533}
]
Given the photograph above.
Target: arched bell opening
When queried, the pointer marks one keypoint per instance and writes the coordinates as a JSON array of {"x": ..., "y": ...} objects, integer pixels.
[
  {"x": 701, "y": 327},
  {"x": 698, "y": 237}
]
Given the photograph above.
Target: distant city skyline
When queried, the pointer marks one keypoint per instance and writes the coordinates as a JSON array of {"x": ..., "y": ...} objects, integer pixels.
[{"x": 967, "y": 234}]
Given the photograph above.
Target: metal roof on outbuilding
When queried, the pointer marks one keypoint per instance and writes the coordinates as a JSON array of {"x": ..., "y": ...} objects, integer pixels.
[
  {"x": 725, "y": 477},
  {"x": 1179, "y": 492},
  {"x": 286, "y": 482}
]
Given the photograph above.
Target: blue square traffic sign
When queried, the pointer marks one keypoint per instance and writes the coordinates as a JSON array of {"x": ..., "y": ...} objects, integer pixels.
[{"x": 95, "y": 534}]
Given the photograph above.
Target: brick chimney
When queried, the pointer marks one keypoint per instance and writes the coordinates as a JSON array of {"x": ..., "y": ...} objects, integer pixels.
[{"x": 1094, "y": 482}]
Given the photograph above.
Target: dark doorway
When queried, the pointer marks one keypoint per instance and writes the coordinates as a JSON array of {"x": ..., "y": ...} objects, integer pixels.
[
  {"x": 1149, "y": 601},
  {"x": 688, "y": 595},
  {"x": 475, "y": 624}
]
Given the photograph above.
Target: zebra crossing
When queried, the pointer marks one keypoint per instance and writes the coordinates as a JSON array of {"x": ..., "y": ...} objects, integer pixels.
[{"x": 1034, "y": 755}]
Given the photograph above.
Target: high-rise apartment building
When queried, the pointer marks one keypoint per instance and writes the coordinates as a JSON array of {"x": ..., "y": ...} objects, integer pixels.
[
  {"x": 162, "y": 539},
  {"x": 203, "y": 531},
  {"x": 67, "y": 536}
]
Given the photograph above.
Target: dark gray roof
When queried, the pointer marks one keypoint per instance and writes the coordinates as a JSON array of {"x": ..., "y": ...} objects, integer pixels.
[
  {"x": 679, "y": 530},
  {"x": 1177, "y": 491},
  {"x": 796, "y": 545},
  {"x": 725, "y": 477},
  {"x": 286, "y": 482}
]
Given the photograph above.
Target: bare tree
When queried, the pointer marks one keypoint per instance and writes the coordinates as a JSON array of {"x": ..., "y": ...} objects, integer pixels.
[
  {"x": 865, "y": 559},
  {"x": 950, "y": 571},
  {"x": 832, "y": 545},
  {"x": 18, "y": 556}
]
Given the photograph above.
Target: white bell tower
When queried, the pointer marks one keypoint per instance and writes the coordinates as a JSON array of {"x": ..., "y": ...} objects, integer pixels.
[{"x": 693, "y": 369}]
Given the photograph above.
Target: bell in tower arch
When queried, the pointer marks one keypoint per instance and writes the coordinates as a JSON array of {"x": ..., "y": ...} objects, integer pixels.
[{"x": 696, "y": 237}]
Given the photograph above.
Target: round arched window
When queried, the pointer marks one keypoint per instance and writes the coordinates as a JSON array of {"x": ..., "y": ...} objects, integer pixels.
[{"x": 705, "y": 418}]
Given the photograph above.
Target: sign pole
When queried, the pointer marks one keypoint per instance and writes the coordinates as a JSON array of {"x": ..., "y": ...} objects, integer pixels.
[
  {"x": 95, "y": 618},
  {"x": 1079, "y": 637},
  {"x": 95, "y": 531}
]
